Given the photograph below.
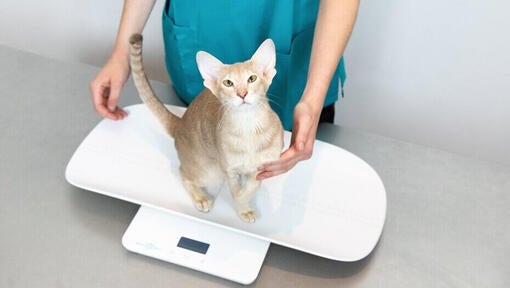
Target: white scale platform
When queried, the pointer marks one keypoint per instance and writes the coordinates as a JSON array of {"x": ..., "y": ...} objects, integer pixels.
[{"x": 332, "y": 205}]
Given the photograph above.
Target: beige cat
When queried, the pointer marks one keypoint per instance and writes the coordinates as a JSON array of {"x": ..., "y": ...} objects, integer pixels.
[{"x": 227, "y": 131}]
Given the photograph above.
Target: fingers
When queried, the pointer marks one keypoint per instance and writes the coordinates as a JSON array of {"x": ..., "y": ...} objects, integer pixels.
[
  {"x": 106, "y": 87},
  {"x": 301, "y": 149},
  {"x": 113, "y": 97},
  {"x": 276, "y": 169},
  {"x": 122, "y": 113},
  {"x": 101, "y": 94},
  {"x": 301, "y": 144},
  {"x": 98, "y": 99},
  {"x": 287, "y": 161}
]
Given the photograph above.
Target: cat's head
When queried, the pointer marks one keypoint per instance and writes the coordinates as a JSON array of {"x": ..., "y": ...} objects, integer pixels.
[{"x": 241, "y": 84}]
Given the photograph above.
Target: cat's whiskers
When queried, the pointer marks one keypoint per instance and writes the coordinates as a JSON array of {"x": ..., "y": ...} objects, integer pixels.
[{"x": 273, "y": 101}]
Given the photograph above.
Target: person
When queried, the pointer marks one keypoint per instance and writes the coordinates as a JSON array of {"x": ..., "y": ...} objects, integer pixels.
[{"x": 310, "y": 37}]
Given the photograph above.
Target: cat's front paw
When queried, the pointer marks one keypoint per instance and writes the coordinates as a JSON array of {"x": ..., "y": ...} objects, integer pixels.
[
  {"x": 203, "y": 203},
  {"x": 248, "y": 215}
]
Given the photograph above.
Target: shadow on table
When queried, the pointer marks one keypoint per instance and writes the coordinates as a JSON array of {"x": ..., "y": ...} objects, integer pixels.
[{"x": 301, "y": 263}]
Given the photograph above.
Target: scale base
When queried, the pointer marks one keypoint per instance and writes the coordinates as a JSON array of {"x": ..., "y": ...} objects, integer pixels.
[{"x": 196, "y": 245}]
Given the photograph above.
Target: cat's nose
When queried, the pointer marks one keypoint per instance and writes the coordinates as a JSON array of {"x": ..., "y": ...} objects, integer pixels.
[{"x": 242, "y": 93}]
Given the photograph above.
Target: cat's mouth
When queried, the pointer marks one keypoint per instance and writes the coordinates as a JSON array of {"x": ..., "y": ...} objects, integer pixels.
[{"x": 243, "y": 103}]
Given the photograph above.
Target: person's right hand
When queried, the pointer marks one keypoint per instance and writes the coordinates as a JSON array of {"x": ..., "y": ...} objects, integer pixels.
[{"x": 106, "y": 87}]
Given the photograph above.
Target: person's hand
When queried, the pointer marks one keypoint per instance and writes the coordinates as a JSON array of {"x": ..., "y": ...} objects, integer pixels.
[
  {"x": 306, "y": 120},
  {"x": 106, "y": 87}
]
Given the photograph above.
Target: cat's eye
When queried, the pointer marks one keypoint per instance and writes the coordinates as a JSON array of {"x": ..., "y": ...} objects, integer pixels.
[
  {"x": 228, "y": 83},
  {"x": 252, "y": 78}
]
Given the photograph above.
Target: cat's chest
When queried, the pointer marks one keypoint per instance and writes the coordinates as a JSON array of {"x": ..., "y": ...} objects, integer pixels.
[
  {"x": 250, "y": 143},
  {"x": 246, "y": 152},
  {"x": 246, "y": 133}
]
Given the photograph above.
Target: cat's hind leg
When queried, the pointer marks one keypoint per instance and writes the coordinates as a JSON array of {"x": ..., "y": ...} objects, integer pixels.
[{"x": 202, "y": 201}]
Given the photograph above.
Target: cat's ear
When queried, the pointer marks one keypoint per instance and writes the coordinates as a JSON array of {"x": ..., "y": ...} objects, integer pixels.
[
  {"x": 210, "y": 68},
  {"x": 265, "y": 59}
]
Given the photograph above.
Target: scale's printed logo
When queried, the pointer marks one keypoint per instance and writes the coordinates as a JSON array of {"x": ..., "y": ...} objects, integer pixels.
[{"x": 148, "y": 246}]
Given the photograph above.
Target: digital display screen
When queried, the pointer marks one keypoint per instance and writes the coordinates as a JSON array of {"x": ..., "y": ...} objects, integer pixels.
[{"x": 193, "y": 245}]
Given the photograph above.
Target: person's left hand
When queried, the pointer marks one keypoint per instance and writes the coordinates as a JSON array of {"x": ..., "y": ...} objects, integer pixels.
[{"x": 306, "y": 120}]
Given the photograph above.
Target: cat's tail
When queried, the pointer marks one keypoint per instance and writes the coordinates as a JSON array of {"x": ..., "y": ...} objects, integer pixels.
[{"x": 167, "y": 119}]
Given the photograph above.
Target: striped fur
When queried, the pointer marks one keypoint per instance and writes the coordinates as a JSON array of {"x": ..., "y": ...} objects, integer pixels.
[{"x": 167, "y": 119}]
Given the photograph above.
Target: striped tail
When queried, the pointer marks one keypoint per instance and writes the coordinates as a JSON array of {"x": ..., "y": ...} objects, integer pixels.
[{"x": 167, "y": 119}]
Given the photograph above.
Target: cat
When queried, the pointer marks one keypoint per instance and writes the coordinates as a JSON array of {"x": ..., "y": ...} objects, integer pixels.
[{"x": 227, "y": 131}]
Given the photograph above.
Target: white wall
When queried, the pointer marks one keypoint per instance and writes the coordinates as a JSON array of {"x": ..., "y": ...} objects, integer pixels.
[
  {"x": 76, "y": 30},
  {"x": 430, "y": 72}
]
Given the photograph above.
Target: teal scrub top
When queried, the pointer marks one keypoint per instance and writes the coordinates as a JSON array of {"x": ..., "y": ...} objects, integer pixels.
[{"x": 232, "y": 31}]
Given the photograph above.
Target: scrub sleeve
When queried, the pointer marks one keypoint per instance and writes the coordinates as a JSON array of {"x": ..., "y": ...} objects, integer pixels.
[{"x": 232, "y": 31}]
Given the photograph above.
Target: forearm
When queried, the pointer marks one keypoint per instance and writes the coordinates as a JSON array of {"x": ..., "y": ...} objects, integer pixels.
[
  {"x": 335, "y": 21},
  {"x": 134, "y": 16}
]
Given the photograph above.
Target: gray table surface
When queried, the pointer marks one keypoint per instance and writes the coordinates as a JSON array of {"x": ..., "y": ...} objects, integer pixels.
[{"x": 447, "y": 225}]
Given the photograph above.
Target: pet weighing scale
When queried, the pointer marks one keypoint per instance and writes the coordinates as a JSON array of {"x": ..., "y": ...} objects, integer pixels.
[{"x": 332, "y": 205}]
